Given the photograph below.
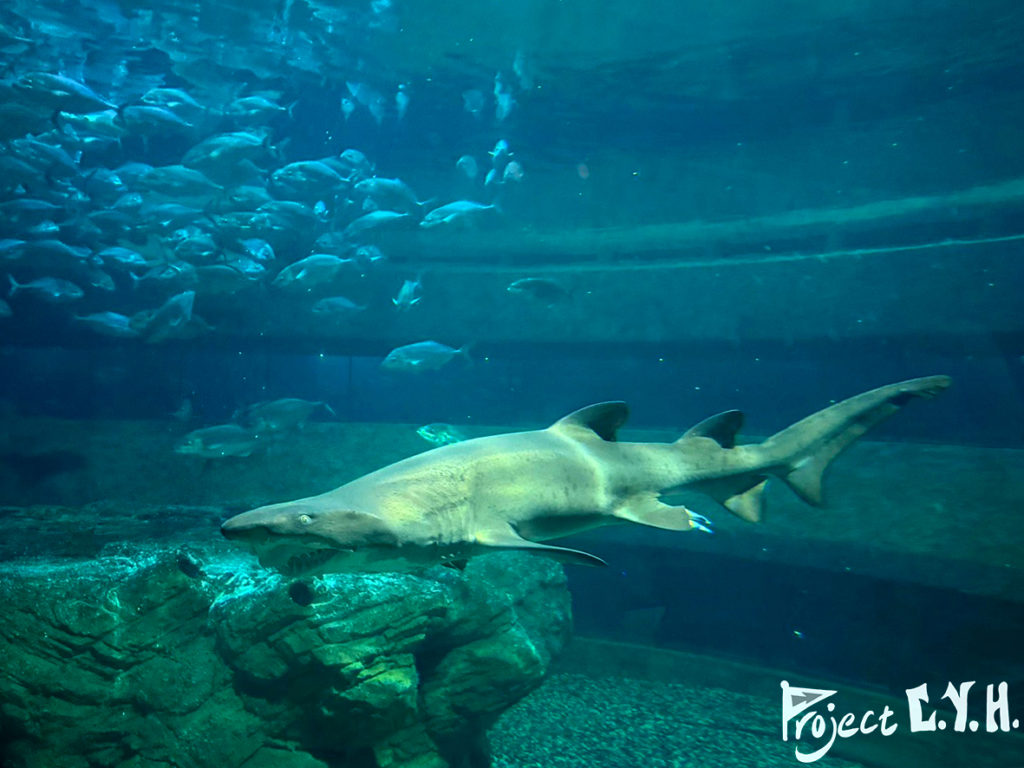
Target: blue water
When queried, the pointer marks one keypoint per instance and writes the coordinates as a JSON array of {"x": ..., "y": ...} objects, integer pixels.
[{"x": 759, "y": 206}]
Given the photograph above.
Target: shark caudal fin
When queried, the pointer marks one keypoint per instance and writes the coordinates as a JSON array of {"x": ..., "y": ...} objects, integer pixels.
[{"x": 801, "y": 453}]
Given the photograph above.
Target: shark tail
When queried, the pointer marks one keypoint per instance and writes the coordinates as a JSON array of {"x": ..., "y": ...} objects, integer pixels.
[
  {"x": 800, "y": 454},
  {"x": 804, "y": 450}
]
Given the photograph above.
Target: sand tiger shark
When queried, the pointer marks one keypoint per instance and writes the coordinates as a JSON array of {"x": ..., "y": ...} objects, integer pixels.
[{"x": 518, "y": 490}]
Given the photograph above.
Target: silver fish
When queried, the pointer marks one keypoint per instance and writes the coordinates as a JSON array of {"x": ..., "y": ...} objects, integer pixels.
[
  {"x": 336, "y": 307},
  {"x": 219, "y": 442},
  {"x": 52, "y": 290},
  {"x": 408, "y": 295},
  {"x": 459, "y": 213},
  {"x": 422, "y": 356},
  {"x": 111, "y": 324}
]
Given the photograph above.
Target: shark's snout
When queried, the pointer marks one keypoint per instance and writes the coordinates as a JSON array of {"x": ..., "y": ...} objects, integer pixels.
[
  {"x": 234, "y": 527},
  {"x": 251, "y": 526}
]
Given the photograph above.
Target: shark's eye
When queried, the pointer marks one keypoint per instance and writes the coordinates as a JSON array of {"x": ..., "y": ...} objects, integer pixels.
[{"x": 305, "y": 519}]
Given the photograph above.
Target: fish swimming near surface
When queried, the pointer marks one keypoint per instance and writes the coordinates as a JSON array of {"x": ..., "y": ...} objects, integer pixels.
[{"x": 517, "y": 490}]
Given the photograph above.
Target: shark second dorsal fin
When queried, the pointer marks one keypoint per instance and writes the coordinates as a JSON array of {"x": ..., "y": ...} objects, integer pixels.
[
  {"x": 603, "y": 419},
  {"x": 722, "y": 428},
  {"x": 509, "y": 539}
]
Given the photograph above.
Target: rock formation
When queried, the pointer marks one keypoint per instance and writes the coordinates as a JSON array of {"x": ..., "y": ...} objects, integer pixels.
[{"x": 193, "y": 656}]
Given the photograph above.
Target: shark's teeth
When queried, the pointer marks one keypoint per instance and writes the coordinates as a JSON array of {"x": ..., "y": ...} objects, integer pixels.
[{"x": 308, "y": 560}]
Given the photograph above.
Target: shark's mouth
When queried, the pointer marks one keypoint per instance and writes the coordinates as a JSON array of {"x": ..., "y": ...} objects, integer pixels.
[
  {"x": 296, "y": 556},
  {"x": 308, "y": 561}
]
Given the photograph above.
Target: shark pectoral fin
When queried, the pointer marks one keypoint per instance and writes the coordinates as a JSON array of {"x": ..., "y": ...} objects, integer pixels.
[
  {"x": 648, "y": 509},
  {"x": 602, "y": 419},
  {"x": 748, "y": 505},
  {"x": 509, "y": 539}
]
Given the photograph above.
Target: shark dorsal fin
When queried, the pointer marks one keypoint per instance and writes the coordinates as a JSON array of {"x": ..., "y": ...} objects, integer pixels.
[
  {"x": 603, "y": 419},
  {"x": 721, "y": 428}
]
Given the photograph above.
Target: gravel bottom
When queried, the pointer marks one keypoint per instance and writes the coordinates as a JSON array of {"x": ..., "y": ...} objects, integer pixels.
[{"x": 575, "y": 721}]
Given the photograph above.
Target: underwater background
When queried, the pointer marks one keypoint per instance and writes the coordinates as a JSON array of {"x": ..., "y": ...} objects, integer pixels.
[{"x": 254, "y": 250}]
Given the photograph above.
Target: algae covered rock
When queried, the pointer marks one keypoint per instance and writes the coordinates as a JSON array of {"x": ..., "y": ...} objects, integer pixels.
[{"x": 161, "y": 657}]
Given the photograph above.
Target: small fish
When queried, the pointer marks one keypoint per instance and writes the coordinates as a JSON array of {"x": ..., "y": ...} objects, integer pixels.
[
  {"x": 391, "y": 194},
  {"x": 11, "y": 249},
  {"x": 467, "y": 164},
  {"x": 99, "y": 279},
  {"x": 121, "y": 258},
  {"x": 278, "y": 415},
  {"x": 347, "y": 107},
  {"x": 256, "y": 110},
  {"x": 60, "y": 93},
  {"x": 440, "y": 434},
  {"x": 513, "y": 172},
  {"x": 402, "y": 101},
  {"x": 218, "y": 442},
  {"x": 5, "y": 310},
  {"x": 459, "y": 213},
  {"x": 151, "y": 121},
  {"x": 548, "y": 292},
  {"x": 52, "y": 290},
  {"x": 337, "y": 307},
  {"x": 178, "y": 181},
  {"x": 169, "y": 321},
  {"x": 501, "y": 154},
  {"x": 352, "y": 163},
  {"x": 259, "y": 249},
  {"x": 183, "y": 412},
  {"x": 111, "y": 324},
  {"x": 306, "y": 181},
  {"x": 408, "y": 295},
  {"x": 315, "y": 270},
  {"x": 523, "y": 70},
  {"x": 228, "y": 278},
  {"x": 369, "y": 254},
  {"x": 504, "y": 104},
  {"x": 377, "y": 221},
  {"x": 174, "y": 99},
  {"x": 422, "y": 356},
  {"x": 370, "y": 98},
  {"x": 473, "y": 102}
]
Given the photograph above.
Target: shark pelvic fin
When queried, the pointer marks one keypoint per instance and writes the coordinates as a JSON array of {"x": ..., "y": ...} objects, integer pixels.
[
  {"x": 648, "y": 509},
  {"x": 509, "y": 539},
  {"x": 722, "y": 428},
  {"x": 748, "y": 505},
  {"x": 603, "y": 419}
]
